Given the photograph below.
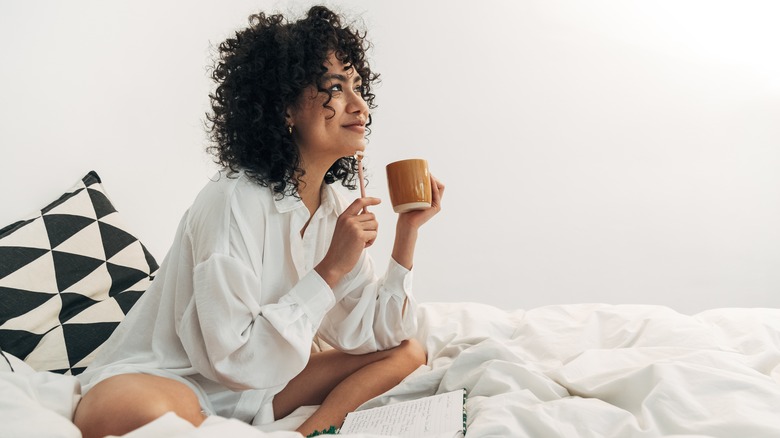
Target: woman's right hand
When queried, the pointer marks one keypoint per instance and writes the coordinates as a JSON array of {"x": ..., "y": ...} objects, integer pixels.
[{"x": 355, "y": 231}]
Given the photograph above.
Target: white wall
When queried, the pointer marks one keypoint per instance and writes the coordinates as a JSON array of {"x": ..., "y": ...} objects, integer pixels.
[{"x": 610, "y": 151}]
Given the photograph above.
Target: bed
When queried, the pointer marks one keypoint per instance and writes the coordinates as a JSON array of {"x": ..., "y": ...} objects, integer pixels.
[{"x": 70, "y": 272}]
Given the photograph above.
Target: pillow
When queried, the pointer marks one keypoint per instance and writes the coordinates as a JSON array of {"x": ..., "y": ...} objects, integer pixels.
[
  {"x": 11, "y": 363},
  {"x": 68, "y": 276}
]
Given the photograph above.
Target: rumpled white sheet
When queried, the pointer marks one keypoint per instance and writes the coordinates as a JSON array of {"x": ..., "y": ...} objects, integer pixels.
[
  {"x": 606, "y": 371},
  {"x": 588, "y": 370},
  {"x": 34, "y": 404}
]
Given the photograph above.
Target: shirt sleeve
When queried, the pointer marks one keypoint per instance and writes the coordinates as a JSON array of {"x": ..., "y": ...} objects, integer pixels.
[
  {"x": 230, "y": 338},
  {"x": 370, "y": 313}
]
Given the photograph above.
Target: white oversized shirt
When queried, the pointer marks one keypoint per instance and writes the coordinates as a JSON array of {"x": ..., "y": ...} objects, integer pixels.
[{"x": 236, "y": 302}]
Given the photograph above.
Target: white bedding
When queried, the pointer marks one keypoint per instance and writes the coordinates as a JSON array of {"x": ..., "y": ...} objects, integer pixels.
[{"x": 557, "y": 371}]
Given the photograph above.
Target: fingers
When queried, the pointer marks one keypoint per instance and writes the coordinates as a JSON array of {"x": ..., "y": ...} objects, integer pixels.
[
  {"x": 366, "y": 232},
  {"x": 355, "y": 230},
  {"x": 362, "y": 225},
  {"x": 437, "y": 191},
  {"x": 367, "y": 220},
  {"x": 361, "y": 203}
]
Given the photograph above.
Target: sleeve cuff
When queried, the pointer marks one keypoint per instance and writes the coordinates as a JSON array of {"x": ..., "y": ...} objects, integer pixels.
[
  {"x": 398, "y": 279},
  {"x": 314, "y": 296}
]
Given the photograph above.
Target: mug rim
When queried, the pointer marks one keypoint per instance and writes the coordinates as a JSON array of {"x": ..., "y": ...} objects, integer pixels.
[{"x": 407, "y": 160}]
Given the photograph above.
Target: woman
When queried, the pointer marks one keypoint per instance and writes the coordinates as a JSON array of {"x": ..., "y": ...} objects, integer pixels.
[{"x": 269, "y": 255}]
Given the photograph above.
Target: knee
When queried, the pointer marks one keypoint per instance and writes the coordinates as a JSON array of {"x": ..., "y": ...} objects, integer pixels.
[
  {"x": 411, "y": 354},
  {"x": 178, "y": 398},
  {"x": 123, "y": 403}
]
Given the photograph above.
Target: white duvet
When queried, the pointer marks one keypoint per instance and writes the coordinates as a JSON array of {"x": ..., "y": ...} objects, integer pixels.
[{"x": 557, "y": 371}]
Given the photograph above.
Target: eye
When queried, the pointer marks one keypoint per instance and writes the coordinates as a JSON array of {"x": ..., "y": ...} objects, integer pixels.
[{"x": 335, "y": 88}]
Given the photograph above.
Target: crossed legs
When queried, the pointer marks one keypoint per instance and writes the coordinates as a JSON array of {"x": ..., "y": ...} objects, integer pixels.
[{"x": 338, "y": 382}]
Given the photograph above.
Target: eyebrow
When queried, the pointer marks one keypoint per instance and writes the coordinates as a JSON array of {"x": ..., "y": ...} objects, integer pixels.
[{"x": 342, "y": 77}]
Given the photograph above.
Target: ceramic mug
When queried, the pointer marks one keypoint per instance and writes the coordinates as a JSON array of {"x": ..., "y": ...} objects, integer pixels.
[{"x": 409, "y": 182}]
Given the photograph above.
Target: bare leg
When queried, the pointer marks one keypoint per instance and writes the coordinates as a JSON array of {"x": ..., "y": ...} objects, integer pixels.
[
  {"x": 341, "y": 382},
  {"x": 126, "y": 402}
]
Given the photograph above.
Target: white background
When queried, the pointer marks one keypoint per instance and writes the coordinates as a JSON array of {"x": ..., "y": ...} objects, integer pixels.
[{"x": 601, "y": 151}]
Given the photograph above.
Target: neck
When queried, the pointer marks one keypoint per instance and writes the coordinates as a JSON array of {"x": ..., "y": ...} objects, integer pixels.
[{"x": 310, "y": 187}]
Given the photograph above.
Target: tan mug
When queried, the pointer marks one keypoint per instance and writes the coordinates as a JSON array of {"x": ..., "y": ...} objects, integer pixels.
[{"x": 409, "y": 182}]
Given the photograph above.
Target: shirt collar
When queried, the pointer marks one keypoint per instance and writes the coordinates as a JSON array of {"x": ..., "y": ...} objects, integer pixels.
[
  {"x": 328, "y": 197},
  {"x": 289, "y": 202}
]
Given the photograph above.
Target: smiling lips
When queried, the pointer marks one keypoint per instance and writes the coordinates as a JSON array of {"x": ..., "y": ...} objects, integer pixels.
[{"x": 357, "y": 126}]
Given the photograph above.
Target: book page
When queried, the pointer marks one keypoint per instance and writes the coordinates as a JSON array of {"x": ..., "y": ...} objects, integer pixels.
[{"x": 437, "y": 415}]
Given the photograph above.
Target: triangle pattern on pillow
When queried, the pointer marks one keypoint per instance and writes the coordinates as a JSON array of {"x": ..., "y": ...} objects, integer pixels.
[
  {"x": 71, "y": 268},
  {"x": 83, "y": 339},
  {"x": 29, "y": 234},
  {"x": 86, "y": 242},
  {"x": 114, "y": 239},
  {"x": 132, "y": 256},
  {"x": 67, "y": 278},
  {"x": 50, "y": 353},
  {"x": 123, "y": 277},
  {"x": 101, "y": 204},
  {"x": 73, "y": 304},
  {"x": 20, "y": 343},
  {"x": 61, "y": 227},
  {"x": 17, "y": 302},
  {"x": 106, "y": 310},
  {"x": 65, "y": 198},
  {"x": 150, "y": 261},
  {"x": 73, "y": 204},
  {"x": 13, "y": 258},
  {"x": 93, "y": 285},
  {"x": 127, "y": 299},
  {"x": 28, "y": 277},
  {"x": 39, "y": 319}
]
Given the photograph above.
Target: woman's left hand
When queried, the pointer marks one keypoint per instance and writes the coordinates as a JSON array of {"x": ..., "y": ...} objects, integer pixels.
[
  {"x": 416, "y": 218},
  {"x": 409, "y": 222}
]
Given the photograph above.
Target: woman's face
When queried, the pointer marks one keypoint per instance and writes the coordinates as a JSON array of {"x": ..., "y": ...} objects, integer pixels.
[{"x": 324, "y": 135}]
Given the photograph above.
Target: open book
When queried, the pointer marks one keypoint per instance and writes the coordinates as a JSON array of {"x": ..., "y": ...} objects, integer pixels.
[{"x": 436, "y": 416}]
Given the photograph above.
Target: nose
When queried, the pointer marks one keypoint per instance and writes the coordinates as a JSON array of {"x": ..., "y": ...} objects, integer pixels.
[{"x": 356, "y": 104}]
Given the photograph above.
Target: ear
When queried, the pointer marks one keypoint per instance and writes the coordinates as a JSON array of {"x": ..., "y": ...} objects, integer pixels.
[{"x": 289, "y": 116}]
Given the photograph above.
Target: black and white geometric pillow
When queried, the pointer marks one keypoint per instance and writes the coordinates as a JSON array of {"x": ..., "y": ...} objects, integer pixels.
[{"x": 68, "y": 276}]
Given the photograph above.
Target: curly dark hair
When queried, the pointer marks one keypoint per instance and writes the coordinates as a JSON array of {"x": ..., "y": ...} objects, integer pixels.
[{"x": 260, "y": 73}]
